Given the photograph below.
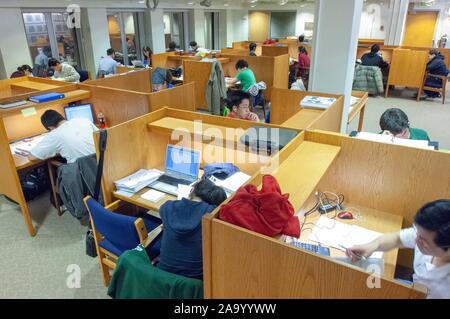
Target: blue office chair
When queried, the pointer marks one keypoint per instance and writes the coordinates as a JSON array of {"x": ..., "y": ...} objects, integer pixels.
[
  {"x": 116, "y": 233},
  {"x": 84, "y": 75}
]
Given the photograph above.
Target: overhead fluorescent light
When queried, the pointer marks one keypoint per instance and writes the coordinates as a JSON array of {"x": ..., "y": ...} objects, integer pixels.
[
  {"x": 190, "y": 3},
  {"x": 283, "y": 2},
  {"x": 252, "y": 1},
  {"x": 253, "y": 5}
]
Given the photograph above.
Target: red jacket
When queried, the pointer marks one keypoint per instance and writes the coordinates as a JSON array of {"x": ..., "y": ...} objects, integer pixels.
[
  {"x": 269, "y": 41},
  {"x": 303, "y": 63},
  {"x": 266, "y": 211}
]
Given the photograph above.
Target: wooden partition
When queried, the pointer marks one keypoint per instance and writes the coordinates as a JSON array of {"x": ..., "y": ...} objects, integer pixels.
[
  {"x": 137, "y": 81},
  {"x": 274, "y": 50},
  {"x": 17, "y": 87},
  {"x": 274, "y": 71},
  {"x": 119, "y": 106},
  {"x": 198, "y": 72},
  {"x": 444, "y": 51},
  {"x": 285, "y": 110},
  {"x": 160, "y": 59},
  {"x": 146, "y": 137},
  {"x": 20, "y": 122},
  {"x": 385, "y": 50},
  {"x": 407, "y": 69},
  {"x": 244, "y": 45},
  {"x": 370, "y": 175}
]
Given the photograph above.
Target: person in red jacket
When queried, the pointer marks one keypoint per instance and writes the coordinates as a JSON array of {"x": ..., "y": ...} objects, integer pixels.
[{"x": 303, "y": 62}]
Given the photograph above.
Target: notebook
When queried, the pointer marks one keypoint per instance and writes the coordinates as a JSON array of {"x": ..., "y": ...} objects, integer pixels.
[{"x": 46, "y": 97}]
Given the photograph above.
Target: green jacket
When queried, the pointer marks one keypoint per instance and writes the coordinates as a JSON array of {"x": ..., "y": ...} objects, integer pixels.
[
  {"x": 136, "y": 278},
  {"x": 216, "y": 88},
  {"x": 368, "y": 79},
  {"x": 418, "y": 134}
]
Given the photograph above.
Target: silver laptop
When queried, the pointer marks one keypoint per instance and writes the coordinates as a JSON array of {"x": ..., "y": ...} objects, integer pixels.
[
  {"x": 182, "y": 167},
  {"x": 138, "y": 64}
]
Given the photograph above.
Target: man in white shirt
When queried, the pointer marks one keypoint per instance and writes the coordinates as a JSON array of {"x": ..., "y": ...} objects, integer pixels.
[
  {"x": 430, "y": 239},
  {"x": 108, "y": 65},
  {"x": 70, "y": 139},
  {"x": 63, "y": 71}
]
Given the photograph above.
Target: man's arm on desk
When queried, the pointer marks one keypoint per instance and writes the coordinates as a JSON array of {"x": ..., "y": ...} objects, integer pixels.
[
  {"x": 33, "y": 158},
  {"x": 385, "y": 242}
]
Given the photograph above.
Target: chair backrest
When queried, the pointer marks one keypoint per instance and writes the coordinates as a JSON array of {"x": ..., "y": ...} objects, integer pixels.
[
  {"x": 84, "y": 75},
  {"x": 118, "y": 229}
]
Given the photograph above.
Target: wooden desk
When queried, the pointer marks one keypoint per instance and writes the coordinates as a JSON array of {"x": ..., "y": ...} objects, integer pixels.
[
  {"x": 360, "y": 107},
  {"x": 370, "y": 175},
  {"x": 14, "y": 126},
  {"x": 34, "y": 86},
  {"x": 369, "y": 218},
  {"x": 137, "y": 200}
]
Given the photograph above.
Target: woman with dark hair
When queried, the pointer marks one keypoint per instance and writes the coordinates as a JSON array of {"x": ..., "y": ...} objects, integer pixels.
[
  {"x": 147, "y": 56},
  {"x": 24, "y": 70},
  {"x": 181, "y": 242},
  {"x": 304, "y": 62},
  {"x": 430, "y": 238}
]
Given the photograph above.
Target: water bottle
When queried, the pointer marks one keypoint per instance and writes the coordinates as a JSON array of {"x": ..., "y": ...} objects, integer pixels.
[{"x": 101, "y": 120}]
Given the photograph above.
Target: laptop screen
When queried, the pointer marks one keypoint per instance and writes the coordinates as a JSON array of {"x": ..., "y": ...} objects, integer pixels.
[
  {"x": 79, "y": 111},
  {"x": 182, "y": 162}
]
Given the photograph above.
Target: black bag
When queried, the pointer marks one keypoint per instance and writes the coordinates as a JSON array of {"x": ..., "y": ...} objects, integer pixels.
[
  {"x": 35, "y": 182},
  {"x": 90, "y": 240}
]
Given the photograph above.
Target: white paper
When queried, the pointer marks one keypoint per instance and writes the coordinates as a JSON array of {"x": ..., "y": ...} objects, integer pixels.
[
  {"x": 366, "y": 264},
  {"x": 124, "y": 193},
  {"x": 138, "y": 180},
  {"x": 329, "y": 232},
  {"x": 153, "y": 195},
  {"x": 384, "y": 138},
  {"x": 184, "y": 191},
  {"x": 232, "y": 183}
]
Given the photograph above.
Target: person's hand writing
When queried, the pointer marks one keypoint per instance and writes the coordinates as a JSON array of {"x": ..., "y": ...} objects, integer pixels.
[{"x": 356, "y": 253}]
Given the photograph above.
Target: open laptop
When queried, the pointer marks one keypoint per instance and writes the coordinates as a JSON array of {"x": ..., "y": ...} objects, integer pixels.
[
  {"x": 79, "y": 111},
  {"x": 138, "y": 64},
  {"x": 182, "y": 167}
]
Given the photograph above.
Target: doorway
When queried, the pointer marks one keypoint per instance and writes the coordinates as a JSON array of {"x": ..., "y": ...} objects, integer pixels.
[{"x": 419, "y": 29}]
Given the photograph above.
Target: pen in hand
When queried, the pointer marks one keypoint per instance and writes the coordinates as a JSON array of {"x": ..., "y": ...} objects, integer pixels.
[{"x": 359, "y": 257}]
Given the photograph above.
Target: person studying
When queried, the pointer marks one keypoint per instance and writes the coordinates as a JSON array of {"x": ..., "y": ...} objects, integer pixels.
[
  {"x": 395, "y": 122},
  {"x": 430, "y": 239},
  {"x": 63, "y": 71},
  {"x": 71, "y": 139},
  {"x": 239, "y": 106},
  {"x": 182, "y": 167},
  {"x": 108, "y": 65},
  {"x": 181, "y": 242}
]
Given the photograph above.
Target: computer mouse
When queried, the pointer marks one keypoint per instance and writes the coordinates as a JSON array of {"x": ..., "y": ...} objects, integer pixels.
[{"x": 345, "y": 215}]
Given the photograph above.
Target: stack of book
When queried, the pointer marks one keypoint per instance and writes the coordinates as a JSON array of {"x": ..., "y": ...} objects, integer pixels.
[
  {"x": 317, "y": 102},
  {"x": 137, "y": 181}
]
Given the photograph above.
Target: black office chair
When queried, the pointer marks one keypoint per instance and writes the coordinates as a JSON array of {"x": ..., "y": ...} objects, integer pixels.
[{"x": 84, "y": 75}]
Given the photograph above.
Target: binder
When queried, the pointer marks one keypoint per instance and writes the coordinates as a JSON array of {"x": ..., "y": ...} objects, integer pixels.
[{"x": 46, "y": 97}]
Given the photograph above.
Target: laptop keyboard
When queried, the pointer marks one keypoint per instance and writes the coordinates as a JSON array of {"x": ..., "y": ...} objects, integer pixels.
[{"x": 172, "y": 180}]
